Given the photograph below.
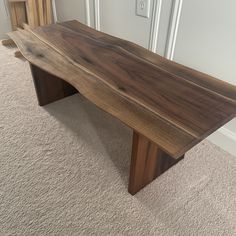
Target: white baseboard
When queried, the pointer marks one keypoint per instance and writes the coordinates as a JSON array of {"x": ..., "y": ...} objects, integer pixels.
[{"x": 225, "y": 139}]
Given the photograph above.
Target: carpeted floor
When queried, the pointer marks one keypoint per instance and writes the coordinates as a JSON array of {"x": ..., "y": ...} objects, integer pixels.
[{"x": 64, "y": 171}]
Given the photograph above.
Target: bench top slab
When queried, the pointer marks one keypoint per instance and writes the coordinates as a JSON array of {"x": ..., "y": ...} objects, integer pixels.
[{"x": 174, "y": 106}]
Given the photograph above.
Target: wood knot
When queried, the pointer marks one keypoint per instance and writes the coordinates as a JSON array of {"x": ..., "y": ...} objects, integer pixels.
[{"x": 121, "y": 88}]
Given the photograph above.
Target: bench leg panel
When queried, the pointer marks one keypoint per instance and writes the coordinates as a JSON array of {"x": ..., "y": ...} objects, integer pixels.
[
  {"x": 148, "y": 162},
  {"x": 49, "y": 88}
]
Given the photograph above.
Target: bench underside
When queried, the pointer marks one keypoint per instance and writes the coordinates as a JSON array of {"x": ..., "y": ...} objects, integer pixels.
[{"x": 148, "y": 161}]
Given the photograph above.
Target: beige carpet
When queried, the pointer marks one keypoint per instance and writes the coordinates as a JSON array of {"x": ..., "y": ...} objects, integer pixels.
[{"x": 64, "y": 171}]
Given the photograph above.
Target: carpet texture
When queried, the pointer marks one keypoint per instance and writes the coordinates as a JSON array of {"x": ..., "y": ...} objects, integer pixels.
[{"x": 64, "y": 171}]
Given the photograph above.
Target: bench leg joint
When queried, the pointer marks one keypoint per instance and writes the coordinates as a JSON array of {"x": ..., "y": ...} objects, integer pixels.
[
  {"x": 148, "y": 162},
  {"x": 49, "y": 88}
]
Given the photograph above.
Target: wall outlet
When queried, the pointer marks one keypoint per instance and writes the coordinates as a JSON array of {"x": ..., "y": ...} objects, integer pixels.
[{"x": 143, "y": 8}]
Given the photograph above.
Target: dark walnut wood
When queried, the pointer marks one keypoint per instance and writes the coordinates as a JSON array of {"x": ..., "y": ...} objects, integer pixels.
[
  {"x": 148, "y": 162},
  {"x": 49, "y": 88},
  {"x": 171, "y": 139},
  {"x": 175, "y": 107},
  {"x": 169, "y": 96}
]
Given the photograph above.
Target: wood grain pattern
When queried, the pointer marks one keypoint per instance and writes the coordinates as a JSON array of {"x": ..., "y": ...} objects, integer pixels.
[
  {"x": 173, "y": 140},
  {"x": 49, "y": 15},
  {"x": 41, "y": 12},
  {"x": 153, "y": 96},
  {"x": 17, "y": 14},
  {"x": 32, "y": 13},
  {"x": 148, "y": 162},
  {"x": 168, "y": 96},
  {"x": 44, "y": 11}
]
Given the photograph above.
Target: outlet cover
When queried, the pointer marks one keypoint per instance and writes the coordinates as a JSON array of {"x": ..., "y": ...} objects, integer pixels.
[{"x": 143, "y": 8}]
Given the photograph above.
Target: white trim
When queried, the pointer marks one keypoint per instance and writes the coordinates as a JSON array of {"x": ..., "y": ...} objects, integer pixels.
[
  {"x": 54, "y": 10},
  {"x": 97, "y": 14},
  {"x": 173, "y": 29},
  {"x": 225, "y": 139},
  {"x": 87, "y": 8},
  {"x": 4, "y": 9},
  {"x": 228, "y": 133},
  {"x": 155, "y": 25}
]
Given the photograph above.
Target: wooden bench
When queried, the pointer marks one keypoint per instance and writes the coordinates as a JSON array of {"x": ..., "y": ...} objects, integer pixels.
[{"x": 170, "y": 107}]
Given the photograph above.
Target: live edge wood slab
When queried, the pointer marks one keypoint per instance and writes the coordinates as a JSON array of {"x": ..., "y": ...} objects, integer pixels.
[{"x": 170, "y": 107}]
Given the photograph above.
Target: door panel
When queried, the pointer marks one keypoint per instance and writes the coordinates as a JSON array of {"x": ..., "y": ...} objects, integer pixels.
[
  {"x": 119, "y": 19},
  {"x": 206, "y": 37}
]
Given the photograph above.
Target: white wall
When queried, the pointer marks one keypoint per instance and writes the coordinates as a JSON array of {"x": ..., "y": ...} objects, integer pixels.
[
  {"x": 113, "y": 16},
  {"x": 71, "y": 10},
  {"x": 5, "y": 24},
  {"x": 118, "y": 18}
]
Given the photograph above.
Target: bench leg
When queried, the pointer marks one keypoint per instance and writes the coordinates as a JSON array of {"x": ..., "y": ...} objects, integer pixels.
[
  {"x": 49, "y": 88},
  {"x": 147, "y": 163}
]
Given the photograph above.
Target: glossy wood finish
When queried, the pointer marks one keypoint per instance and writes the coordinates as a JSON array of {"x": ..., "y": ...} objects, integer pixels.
[
  {"x": 49, "y": 88},
  {"x": 172, "y": 140},
  {"x": 170, "y": 107},
  {"x": 144, "y": 83},
  {"x": 148, "y": 162},
  {"x": 208, "y": 82},
  {"x": 150, "y": 94}
]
